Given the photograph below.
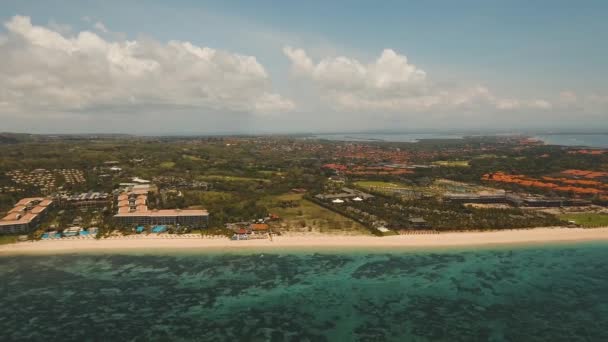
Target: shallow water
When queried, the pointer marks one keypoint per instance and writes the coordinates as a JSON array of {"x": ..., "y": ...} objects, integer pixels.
[
  {"x": 589, "y": 140},
  {"x": 392, "y": 137},
  {"x": 554, "y": 293}
]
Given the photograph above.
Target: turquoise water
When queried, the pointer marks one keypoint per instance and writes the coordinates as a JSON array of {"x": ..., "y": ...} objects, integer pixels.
[{"x": 555, "y": 293}]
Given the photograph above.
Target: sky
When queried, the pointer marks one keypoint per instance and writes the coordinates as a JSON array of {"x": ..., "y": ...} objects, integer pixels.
[{"x": 199, "y": 67}]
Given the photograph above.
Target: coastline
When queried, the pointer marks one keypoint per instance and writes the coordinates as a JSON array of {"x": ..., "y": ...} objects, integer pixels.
[{"x": 316, "y": 242}]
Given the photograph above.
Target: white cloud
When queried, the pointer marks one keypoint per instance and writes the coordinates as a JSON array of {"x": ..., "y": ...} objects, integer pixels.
[
  {"x": 597, "y": 99},
  {"x": 101, "y": 27},
  {"x": 507, "y": 104},
  {"x": 389, "y": 70},
  {"x": 594, "y": 104},
  {"x": 568, "y": 96},
  {"x": 392, "y": 83},
  {"x": 43, "y": 69},
  {"x": 271, "y": 103},
  {"x": 540, "y": 104}
]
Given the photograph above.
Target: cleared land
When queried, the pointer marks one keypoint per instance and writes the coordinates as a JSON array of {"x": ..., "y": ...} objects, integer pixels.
[
  {"x": 305, "y": 216},
  {"x": 590, "y": 220}
]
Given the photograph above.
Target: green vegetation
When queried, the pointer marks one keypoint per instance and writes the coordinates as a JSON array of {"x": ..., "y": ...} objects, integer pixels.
[
  {"x": 231, "y": 178},
  {"x": 441, "y": 216},
  {"x": 213, "y": 231},
  {"x": 192, "y": 158},
  {"x": 246, "y": 178},
  {"x": 588, "y": 220},
  {"x": 167, "y": 165},
  {"x": 380, "y": 184},
  {"x": 452, "y": 163},
  {"x": 7, "y": 239},
  {"x": 297, "y": 213},
  {"x": 421, "y": 188}
]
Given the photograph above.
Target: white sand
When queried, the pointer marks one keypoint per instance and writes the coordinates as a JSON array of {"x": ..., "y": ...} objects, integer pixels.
[{"x": 329, "y": 242}]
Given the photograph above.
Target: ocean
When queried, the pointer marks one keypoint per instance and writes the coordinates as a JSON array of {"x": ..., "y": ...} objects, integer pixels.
[
  {"x": 588, "y": 140},
  {"x": 391, "y": 137},
  {"x": 529, "y": 293}
]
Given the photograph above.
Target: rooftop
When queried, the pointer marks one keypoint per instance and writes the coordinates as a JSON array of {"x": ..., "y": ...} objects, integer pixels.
[
  {"x": 164, "y": 212},
  {"x": 20, "y": 213}
]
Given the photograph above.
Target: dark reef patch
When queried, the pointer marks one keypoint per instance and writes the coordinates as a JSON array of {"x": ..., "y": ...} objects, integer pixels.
[{"x": 556, "y": 293}]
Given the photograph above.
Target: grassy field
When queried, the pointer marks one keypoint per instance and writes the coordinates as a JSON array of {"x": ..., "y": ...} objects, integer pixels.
[
  {"x": 308, "y": 216},
  {"x": 487, "y": 156},
  {"x": 390, "y": 187},
  {"x": 452, "y": 163},
  {"x": 438, "y": 188},
  {"x": 380, "y": 184},
  {"x": 269, "y": 173},
  {"x": 231, "y": 178},
  {"x": 189, "y": 157},
  {"x": 591, "y": 220},
  {"x": 212, "y": 196},
  {"x": 167, "y": 165},
  {"x": 6, "y": 239}
]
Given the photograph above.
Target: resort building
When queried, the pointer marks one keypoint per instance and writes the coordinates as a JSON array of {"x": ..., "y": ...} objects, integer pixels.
[
  {"x": 25, "y": 216},
  {"x": 418, "y": 222},
  {"x": 87, "y": 199},
  {"x": 191, "y": 218},
  {"x": 477, "y": 198},
  {"x": 133, "y": 210}
]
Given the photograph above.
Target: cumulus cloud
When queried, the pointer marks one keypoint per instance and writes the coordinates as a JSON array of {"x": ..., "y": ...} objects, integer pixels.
[
  {"x": 592, "y": 104},
  {"x": 101, "y": 27},
  {"x": 568, "y": 96},
  {"x": 392, "y": 83},
  {"x": 388, "y": 71},
  {"x": 43, "y": 69},
  {"x": 540, "y": 104}
]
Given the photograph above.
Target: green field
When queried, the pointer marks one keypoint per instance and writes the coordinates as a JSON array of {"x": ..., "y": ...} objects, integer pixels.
[
  {"x": 167, "y": 165},
  {"x": 438, "y": 188},
  {"x": 266, "y": 173},
  {"x": 380, "y": 184},
  {"x": 452, "y": 163},
  {"x": 231, "y": 178},
  {"x": 308, "y": 216},
  {"x": 189, "y": 157},
  {"x": 487, "y": 156},
  {"x": 591, "y": 220},
  {"x": 390, "y": 187},
  {"x": 6, "y": 239}
]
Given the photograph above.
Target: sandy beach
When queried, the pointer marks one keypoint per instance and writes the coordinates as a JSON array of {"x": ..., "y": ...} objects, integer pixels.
[{"x": 463, "y": 239}]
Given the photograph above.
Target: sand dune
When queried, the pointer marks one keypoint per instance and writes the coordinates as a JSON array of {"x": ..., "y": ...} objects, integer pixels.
[{"x": 523, "y": 236}]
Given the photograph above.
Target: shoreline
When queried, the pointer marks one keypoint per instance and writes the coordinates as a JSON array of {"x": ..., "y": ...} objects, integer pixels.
[{"x": 533, "y": 236}]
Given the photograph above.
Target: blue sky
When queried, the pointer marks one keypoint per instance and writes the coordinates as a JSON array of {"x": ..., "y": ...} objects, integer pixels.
[{"x": 524, "y": 55}]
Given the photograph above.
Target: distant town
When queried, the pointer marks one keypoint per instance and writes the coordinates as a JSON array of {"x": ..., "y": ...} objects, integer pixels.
[{"x": 257, "y": 187}]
